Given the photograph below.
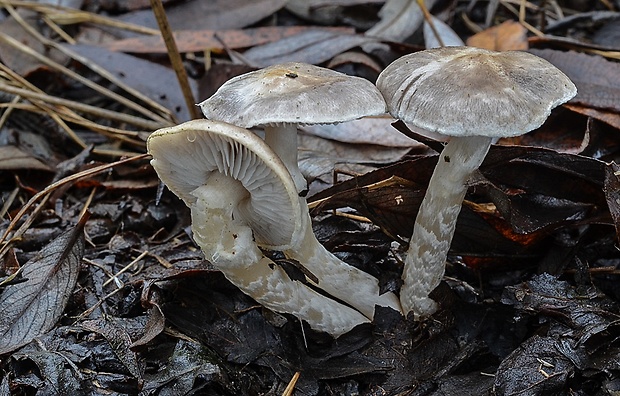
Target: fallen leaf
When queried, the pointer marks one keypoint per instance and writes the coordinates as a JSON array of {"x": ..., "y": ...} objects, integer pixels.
[
  {"x": 612, "y": 193},
  {"x": 318, "y": 157},
  {"x": 119, "y": 340},
  {"x": 17, "y": 60},
  {"x": 595, "y": 77},
  {"x": 156, "y": 81},
  {"x": 399, "y": 20},
  {"x": 448, "y": 37},
  {"x": 215, "y": 40},
  {"x": 312, "y": 46},
  {"x": 31, "y": 308},
  {"x": 189, "y": 362},
  {"x": 609, "y": 117},
  {"x": 12, "y": 158},
  {"x": 324, "y": 12},
  {"x": 212, "y": 14},
  {"x": 508, "y": 36},
  {"x": 368, "y": 130},
  {"x": 535, "y": 368},
  {"x": 53, "y": 370}
]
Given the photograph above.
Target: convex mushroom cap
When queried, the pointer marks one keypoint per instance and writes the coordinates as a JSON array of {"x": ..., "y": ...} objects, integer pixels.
[
  {"x": 473, "y": 96},
  {"x": 467, "y": 91},
  {"x": 240, "y": 193},
  {"x": 282, "y": 96}
]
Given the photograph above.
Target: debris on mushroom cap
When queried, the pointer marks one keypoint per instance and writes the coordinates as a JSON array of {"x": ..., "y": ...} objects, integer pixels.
[
  {"x": 185, "y": 156},
  {"x": 466, "y": 91},
  {"x": 293, "y": 93}
]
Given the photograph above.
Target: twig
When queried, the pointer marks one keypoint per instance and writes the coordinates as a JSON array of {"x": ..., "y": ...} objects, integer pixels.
[
  {"x": 67, "y": 16},
  {"x": 175, "y": 57},
  {"x": 98, "y": 88},
  {"x": 429, "y": 20},
  {"x": 125, "y": 268},
  {"x": 94, "y": 110},
  {"x": 291, "y": 385}
]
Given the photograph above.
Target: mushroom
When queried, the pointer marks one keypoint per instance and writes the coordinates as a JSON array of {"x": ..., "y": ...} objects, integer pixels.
[
  {"x": 473, "y": 96},
  {"x": 280, "y": 97},
  {"x": 241, "y": 197}
]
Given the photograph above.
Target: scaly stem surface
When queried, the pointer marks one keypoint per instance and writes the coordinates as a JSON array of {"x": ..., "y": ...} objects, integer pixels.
[
  {"x": 341, "y": 280},
  {"x": 283, "y": 141},
  {"x": 229, "y": 245},
  {"x": 436, "y": 221}
]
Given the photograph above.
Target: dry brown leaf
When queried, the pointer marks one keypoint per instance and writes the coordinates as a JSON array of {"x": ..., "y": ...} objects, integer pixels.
[{"x": 509, "y": 36}]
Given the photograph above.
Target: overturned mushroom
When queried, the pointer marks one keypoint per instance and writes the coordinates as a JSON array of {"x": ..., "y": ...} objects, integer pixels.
[
  {"x": 280, "y": 97},
  {"x": 472, "y": 96},
  {"x": 241, "y": 196}
]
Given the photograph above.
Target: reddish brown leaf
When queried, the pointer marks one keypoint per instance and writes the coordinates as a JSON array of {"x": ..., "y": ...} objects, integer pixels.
[
  {"x": 540, "y": 189},
  {"x": 31, "y": 308},
  {"x": 200, "y": 40},
  {"x": 609, "y": 117},
  {"x": 510, "y": 35}
]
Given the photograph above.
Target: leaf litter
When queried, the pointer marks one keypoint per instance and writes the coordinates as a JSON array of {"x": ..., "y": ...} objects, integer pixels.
[{"x": 529, "y": 303}]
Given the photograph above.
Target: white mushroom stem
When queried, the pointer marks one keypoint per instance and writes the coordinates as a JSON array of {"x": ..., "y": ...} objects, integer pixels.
[
  {"x": 229, "y": 244},
  {"x": 283, "y": 141},
  {"x": 341, "y": 280},
  {"x": 436, "y": 221}
]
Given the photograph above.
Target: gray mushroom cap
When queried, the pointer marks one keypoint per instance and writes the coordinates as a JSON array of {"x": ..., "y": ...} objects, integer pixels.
[
  {"x": 187, "y": 155},
  {"x": 466, "y": 91},
  {"x": 295, "y": 93}
]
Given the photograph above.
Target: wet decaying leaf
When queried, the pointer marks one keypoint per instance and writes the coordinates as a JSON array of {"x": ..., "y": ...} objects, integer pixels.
[
  {"x": 54, "y": 374},
  {"x": 188, "y": 364},
  {"x": 31, "y": 308},
  {"x": 612, "y": 193},
  {"x": 580, "y": 324},
  {"x": 529, "y": 303},
  {"x": 533, "y": 189},
  {"x": 119, "y": 340}
]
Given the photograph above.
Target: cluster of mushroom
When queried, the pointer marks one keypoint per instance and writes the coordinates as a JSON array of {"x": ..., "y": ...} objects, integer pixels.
[{"x": 247, "y": 194}]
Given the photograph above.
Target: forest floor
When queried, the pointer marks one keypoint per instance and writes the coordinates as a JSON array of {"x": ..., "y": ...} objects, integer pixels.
[{"x": 103, "y": 291}]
